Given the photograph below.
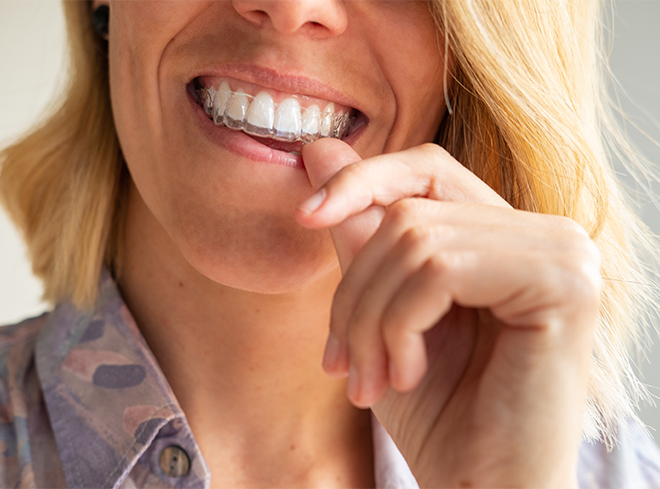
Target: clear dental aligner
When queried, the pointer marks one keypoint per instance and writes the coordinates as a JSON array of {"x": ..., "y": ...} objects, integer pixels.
[{"x": 260, "y": 116}]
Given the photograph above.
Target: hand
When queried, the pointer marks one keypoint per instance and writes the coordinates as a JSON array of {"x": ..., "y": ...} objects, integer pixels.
[{"x": 465, "y": 324}]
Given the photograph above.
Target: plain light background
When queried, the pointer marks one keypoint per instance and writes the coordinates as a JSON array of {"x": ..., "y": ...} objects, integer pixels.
[{"x": 32, "y": 66}]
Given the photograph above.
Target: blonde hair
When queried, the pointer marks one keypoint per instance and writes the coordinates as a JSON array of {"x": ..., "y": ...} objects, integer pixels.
[
  {"x": 528, "y": 118},
  {"x": 62, "y": 182}
]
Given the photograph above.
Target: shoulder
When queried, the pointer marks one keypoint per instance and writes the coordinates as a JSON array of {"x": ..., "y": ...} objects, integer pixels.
[
  {"x": 20, "y": 398},
  {"x": 19, "y": 384},
  {"x": 634, "y": 461},
  {"x": 17, "y": 344},
  {"x": 16, "y": 333}
]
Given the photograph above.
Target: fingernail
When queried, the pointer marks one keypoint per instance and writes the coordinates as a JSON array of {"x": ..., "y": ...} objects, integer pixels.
[
  {"x": 313, "y": 203},
  {"x": 353, "y": 388},
  {"x": 331, "y": 354}
]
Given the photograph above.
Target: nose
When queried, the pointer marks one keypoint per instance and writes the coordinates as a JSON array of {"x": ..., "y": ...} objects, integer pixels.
[{"x": 318, "y": 17}]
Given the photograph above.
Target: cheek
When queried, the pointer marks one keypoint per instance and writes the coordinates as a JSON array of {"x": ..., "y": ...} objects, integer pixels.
[
  {"x": 140, "y": 33},
  {"x": 234, "y": 226},
  {"x": 415, "y": 70}
]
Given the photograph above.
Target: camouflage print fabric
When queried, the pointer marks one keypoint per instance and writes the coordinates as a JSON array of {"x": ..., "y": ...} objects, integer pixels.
[{"x": 83, "y": 404}]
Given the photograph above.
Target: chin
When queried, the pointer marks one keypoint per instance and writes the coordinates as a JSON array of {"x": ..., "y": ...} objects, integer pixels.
[{"x": 265, "y": 264}]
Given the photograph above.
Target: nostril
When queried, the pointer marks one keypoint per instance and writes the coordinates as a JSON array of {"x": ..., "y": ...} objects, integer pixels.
[
  {"x": 291, "y": 16},
  {"x": 255, "y": 16},
  {"x": 260, "y": 16}
]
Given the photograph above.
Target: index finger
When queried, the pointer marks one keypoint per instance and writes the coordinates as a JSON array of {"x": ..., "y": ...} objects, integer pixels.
[{"x": 426, "y": 171}]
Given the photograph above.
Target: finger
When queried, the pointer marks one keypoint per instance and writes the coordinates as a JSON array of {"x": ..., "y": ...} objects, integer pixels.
[
  {"x": 422, "y": 223},
  {"x": 355, "y": 278},
  {"x": 326, "y": 157},
  {"x": 413, "y": 218},
  {"x": 522, "y": 288},
  {"x": 423, "y": 171},
  {"x": 527, "y": 290},
  {"x": 336, "y": 358},
  {"x": 425, "y": 219},
  {"x": 323, "y": 159},
  {"x": 418, "y": 306},
  {"x": 368, "y": 378}
]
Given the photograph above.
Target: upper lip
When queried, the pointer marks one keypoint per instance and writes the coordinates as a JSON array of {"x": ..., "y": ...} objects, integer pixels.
[{"x": 270, "y": 78}]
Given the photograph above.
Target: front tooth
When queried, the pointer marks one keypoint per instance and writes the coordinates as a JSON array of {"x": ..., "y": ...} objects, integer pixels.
[
  {"x": 327, "y": 120},
  {"x": 287, "y": 120},
  {"x": 220, "y": 103},
  {"x": 261, "y": 115},
  {"x": 311, "y": 120},
  {"x": 237, "y": 110}
]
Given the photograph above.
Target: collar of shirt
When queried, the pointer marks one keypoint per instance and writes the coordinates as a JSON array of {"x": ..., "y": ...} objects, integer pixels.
[{"x": 113, "y": 412}]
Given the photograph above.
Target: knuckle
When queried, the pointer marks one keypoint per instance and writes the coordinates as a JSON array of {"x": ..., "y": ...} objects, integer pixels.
[
  {"x": 437, "y": 265},
  {"x": 578, "y": 284},
  {"x": 585, "y": 263},
  {"x": 401, "y": 212},
  {"x": 358, "y": 328},
  {"x": 591, "y": 252},
  {"x": 570, "y": 227},
  {"x": 588, "y": 282},
  {"x": 582, "y": 262},
  {"x": 354, "y": 171},
  {"x": 433, "y": 150},
  {"x": 414, "y": 238},
  {"x": 392, "y": 328},
  {"x": 346, "y": 176}
]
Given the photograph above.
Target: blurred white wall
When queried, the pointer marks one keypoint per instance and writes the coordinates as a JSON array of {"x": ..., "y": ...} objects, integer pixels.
[
  {"x": 635, "y": 62},
  {"x": 31, "y": 66}
]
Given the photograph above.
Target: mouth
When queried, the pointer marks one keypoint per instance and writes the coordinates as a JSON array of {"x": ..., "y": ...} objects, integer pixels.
[{"x": 280, "y": 121}]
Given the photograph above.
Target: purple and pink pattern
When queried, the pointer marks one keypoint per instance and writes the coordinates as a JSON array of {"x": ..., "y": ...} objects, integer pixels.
[{"x": 84, "y": 404}]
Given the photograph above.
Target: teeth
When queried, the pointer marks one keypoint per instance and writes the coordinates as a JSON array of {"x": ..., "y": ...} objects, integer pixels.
[
  {"x": 260, "y": 116},
  {"x": 339, "y": 118},
  {"x": 311, "y": 121},
  {"x": 220, "y": 102},
  {"x": 208, "y": 102},
  {"x": 326, "y": 120},
  {"x": 287, "y": 120},
  {"x": 237, "y": 110}
]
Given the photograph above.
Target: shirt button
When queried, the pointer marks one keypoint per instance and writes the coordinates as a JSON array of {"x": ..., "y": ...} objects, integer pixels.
[{"x": 174, "y": 461}]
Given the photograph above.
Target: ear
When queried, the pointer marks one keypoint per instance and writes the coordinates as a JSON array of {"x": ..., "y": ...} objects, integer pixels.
[
  {"x": 97, "y": 3},
  {"x": 100, "y": 17}
]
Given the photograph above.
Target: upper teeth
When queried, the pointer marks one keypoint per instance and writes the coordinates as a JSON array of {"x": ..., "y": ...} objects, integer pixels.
[{"x": 260, "y": 116}]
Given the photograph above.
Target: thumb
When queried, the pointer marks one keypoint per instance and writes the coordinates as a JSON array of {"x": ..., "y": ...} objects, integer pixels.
[
  {"x": 323, "y": 159},
  {"x": 326, "y": 157}
]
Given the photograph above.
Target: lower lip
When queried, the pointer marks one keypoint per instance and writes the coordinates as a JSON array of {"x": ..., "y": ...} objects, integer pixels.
[{"x": 243, "y": 145}]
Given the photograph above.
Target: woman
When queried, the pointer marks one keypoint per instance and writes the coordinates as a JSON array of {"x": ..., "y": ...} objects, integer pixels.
[{"x": 240, "y": 174}]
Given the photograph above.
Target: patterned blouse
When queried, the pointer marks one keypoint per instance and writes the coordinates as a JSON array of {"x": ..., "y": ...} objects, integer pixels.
[{"x": 83, "y": 404}]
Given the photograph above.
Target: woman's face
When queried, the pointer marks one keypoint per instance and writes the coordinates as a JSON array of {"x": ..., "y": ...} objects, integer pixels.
[{"x": 225, "y": 199}]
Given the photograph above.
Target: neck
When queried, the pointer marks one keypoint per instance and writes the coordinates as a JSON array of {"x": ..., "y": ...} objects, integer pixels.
[{"x": 245, "y": 367}]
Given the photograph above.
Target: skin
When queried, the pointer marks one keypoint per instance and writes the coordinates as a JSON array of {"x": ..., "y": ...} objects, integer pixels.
[{"x": 465, "y": 324}]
